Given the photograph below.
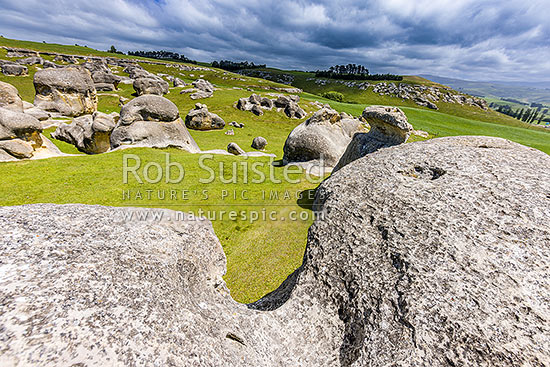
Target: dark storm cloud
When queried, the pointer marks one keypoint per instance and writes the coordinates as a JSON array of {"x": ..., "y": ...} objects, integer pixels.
[{"x": 459, "y": 38}]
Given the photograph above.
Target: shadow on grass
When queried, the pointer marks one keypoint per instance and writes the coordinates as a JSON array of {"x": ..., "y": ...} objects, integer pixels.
[{"x": 306, "y": 199}]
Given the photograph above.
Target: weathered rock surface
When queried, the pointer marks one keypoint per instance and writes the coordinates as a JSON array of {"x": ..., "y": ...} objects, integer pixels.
[
  {"x": 69, "y": 91},
  {"x": 148, "y": 85},
  {"x": 259, "y": 143},
  {"x": 429, "y": 254},
  {"x": 91, "y": 271},
  {"x": 438, "y": 268},
  {"x": 90, "y": 134},
  {"x": 152, "y": 121},
  {"x": 235, "y": 149},
  {"x": 389, "y": 126},
  {"x": 199, "y": 118},
  {"x": 9, "y": 97},
  {"x": 324, "y": 136}
]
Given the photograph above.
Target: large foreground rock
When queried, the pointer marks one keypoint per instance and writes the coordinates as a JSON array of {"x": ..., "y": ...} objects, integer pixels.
[
  {"x": 9, "y": 97},
  {"x": 324, "y": 136},
  {"x": 388, "y": 126},
  {"x": 152, "y": 121},
  {"x": 436, "y": 251},
  {"x": 429, "y": 254},
  {"x": 199, "y": 118},
  {"x": 90, "y": 134},
  {"x": 69, "y": 91}
]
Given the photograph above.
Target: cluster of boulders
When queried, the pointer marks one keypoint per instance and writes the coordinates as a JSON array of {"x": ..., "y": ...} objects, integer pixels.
[
  {"x": 275, "y": 77},
  {"x": 90, "y": 134},
  {"x": 146, "y": 121},
  {"x": 176, "y": 82},
  {"x": 322, "y": 138},
  {"x": 103, "y": 77},
  {"x": 202, "y": 89},
  {"x": 419, "y": 260},
  {"x": 199, "y": 118},
  {"x": 238, "y": 125},
  {"x": 427, "y": 96},
  {"x": 145, "y": 82},
  {"x": 257, "y": 104},
  {"x": 348, "y": 83},
  {"x": 20, "y": 133}
]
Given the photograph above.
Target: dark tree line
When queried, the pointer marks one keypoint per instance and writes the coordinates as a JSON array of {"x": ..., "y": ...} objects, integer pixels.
[
  {"x": 353, "y": 72},
  {"x": 528, "y": 115},
  {"x": 234, "y": 66},
  {"x": 162, "y": 55}
]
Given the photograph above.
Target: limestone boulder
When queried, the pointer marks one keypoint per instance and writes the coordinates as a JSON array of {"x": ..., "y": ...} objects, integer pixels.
[
  {"x": 102, "y": 77},
  {"x": 203, "y": 85},
  {"x": 257, "y": 104},
  {"x": 152, "y": 121},
  {"x": 69, "y": 91},
  {"x": 389, "y": 126},
  {"x": 148, "y": 85},
  {"x": 199, "y": 118},
  {"x": 259, "y": 143},
  {"x": 13, "y": 69},
  {"x": 34, "y": 60},
  {"x": 235, "y": 149},
  {"x": 321, "y": 138}
]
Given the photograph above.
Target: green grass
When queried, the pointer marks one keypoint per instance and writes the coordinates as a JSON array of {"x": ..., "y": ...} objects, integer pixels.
[{"x": 260, "y": 254}]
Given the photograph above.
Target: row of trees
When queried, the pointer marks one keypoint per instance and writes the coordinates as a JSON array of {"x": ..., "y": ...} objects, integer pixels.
[
  {"x": 528, "y": 115},
  {"x": 234, "y": 66},
  {"x": 353, "y": 72},
  {"x": 162, "y": 55}
]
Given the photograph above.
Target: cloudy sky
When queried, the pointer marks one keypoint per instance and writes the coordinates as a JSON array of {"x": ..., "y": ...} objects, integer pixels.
[{"x": 505, "y": 40}]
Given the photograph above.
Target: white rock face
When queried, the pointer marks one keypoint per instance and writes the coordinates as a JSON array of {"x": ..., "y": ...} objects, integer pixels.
[{"x": 430, "y": 254}]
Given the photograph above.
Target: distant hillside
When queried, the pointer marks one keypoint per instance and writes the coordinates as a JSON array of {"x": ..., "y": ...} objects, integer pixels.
[{"x": 524, "y": 92}]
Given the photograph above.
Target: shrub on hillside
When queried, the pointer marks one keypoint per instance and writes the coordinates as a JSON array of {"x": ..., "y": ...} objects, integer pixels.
[{"x": 335, "y": 96}]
